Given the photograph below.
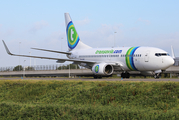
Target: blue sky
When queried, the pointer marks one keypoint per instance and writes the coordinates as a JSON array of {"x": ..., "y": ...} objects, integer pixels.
[{"x": 40, "y": 23}]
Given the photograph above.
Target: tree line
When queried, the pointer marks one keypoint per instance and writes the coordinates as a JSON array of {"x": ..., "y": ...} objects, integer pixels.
[{"x": 20, "y": 68}]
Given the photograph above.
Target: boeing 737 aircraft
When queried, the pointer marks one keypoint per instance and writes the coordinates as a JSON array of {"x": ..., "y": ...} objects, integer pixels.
[{"x": 106, "y": 61}]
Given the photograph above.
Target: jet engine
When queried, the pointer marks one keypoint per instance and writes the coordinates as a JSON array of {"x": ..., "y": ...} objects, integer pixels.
[{"x": 102, "y": 69}]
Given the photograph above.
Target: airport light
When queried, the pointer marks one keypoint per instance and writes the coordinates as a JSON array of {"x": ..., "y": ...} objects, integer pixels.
[
  {"x": 34, "y": 63},
  {"x": 24, "y": 69},
  {"x": 19, "y": 56},
  {"x": 61, "y": 45},
  {"x": 30, "y": 58},
  {"x": 114, "y": 38}
]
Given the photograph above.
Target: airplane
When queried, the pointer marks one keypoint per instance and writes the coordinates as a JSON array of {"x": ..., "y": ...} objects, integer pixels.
[{"x": 106, "y": 61}]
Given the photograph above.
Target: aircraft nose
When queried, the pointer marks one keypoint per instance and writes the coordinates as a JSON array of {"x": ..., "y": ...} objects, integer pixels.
[{"x": 170, "y": 61}]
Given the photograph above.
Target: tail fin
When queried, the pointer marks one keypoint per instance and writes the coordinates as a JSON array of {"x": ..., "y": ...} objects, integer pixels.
[
  {"x": 173, "y": 55},
  {"x": 73, "y": 38}
]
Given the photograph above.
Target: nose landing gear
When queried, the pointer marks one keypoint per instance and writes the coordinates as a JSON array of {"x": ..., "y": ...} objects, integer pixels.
[
  {"x": 157, "y": 75},
  {"x": 125, "y": 75}
]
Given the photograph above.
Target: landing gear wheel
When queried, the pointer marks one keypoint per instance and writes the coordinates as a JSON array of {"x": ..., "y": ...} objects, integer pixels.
[
  {"x": 125, "y": 75},
  {"x": 156, "y": 76},
  {"x": 100, "y": 77},
  {"x": 122, "y": 75},
  {"x": 96, "y": 77}
]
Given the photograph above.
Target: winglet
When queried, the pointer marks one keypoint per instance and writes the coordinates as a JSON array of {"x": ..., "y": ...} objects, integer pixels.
[
  {"x": 7, "y": 50},
  {"x": 173, "y": 55}
]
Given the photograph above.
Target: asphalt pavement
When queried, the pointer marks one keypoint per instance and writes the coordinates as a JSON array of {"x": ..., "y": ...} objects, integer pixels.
[{"x": 91, "y": 79}]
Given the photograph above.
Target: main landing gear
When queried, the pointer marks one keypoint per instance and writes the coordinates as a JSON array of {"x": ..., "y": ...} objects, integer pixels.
[
  {"x": 97, "y": 77},
  {"x": 125, "y": 75}
]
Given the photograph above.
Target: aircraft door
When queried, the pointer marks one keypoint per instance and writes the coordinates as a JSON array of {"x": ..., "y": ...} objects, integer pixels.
[{"x": 146, "y": 58}]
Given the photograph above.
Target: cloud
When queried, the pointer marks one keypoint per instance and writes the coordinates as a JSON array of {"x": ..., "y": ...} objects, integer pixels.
[
  {"x": 134, "y": 29},
  {"x": 56, "y": 40},
  {"x": 9, "y": 32},
  {"x": 38, "y": 26},
  {"x": 103, "y": 36},
  {"x": 82, "y": 22},
  {"x": 147, "y": 22},
  {"x": 166, "y": 40},
  {"x": 0, "y": 29}
]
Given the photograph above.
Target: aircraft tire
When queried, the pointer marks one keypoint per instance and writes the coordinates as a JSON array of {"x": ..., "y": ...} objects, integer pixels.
[
  {"x": 156, "y": 77},
  {"x": 127, "y": 75},
  {"x": 122, "y": 75},
  {"x": 95, "y": 77},
  {"x": 100, "y": 77}
]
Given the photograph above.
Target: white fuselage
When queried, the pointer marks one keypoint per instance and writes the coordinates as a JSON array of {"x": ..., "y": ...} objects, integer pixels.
[{"x": 129, "y": 58}]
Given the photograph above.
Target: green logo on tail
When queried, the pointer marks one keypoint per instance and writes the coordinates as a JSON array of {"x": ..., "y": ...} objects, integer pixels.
[{"x": 72, "y": 36}]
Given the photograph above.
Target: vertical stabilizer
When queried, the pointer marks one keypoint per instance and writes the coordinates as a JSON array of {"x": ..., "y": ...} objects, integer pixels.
[
  {"x": 173, "y": 55},
  {"x": 73, "y": 38}
]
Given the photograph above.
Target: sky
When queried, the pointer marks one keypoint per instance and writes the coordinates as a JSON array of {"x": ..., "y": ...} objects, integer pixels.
[{"x": 99, "y": 23}]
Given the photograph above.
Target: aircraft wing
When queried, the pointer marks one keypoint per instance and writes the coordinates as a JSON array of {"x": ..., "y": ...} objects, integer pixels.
[
  {"x": 73, "y": 60},
  {"x": 68, "y": 53}
]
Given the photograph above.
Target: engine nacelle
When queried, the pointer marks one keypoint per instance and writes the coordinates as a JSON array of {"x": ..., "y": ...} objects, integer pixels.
[{"x": 102, "y": 69}]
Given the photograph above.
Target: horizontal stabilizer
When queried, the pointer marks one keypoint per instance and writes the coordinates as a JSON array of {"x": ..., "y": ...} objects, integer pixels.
[{"x": 68, "y": 53}]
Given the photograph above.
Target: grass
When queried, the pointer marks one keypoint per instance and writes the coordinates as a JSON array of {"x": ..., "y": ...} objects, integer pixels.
[{"x": 33, "y": 99}]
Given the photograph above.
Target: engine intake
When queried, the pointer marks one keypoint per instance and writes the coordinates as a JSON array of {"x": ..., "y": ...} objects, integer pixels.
[{"x": 102, "y": 69}]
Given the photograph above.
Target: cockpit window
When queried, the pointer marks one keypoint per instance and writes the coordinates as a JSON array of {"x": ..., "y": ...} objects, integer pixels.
[{"x": 161, "y": 54}]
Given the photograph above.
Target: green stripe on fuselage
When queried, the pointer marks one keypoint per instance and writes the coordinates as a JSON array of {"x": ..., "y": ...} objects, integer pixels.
[{"x": 128, "y": 58}]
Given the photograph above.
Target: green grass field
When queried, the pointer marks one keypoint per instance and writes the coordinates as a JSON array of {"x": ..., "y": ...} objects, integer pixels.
[{"x": 32, "y": 99}]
